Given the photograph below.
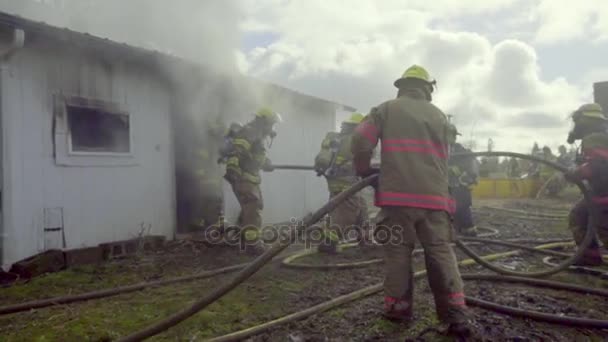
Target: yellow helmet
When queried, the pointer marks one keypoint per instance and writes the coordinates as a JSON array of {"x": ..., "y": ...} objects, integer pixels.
[
  {"x": 268, "y": 114},
  {"x": 415, "y": 72},
  {"x": 589, "y": 110},
  {"x": 355, "y": 118}
]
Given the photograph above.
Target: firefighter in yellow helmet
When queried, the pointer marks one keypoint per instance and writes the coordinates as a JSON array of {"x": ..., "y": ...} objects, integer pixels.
[
  {"x": 591, "y": 127},
  {"x": 412, "y": 192},
  {"x": 245, "y": 155},
  {"x": 335, "y": 162}
]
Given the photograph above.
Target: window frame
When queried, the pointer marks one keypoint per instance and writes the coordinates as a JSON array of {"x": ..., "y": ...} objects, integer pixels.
[
  {"x": 63, "y": 153},
  {"x": 110, "y": 108}
]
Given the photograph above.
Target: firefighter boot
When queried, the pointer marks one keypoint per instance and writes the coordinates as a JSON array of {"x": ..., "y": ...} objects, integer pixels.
[
  {"x": 328, "y": 246},
  {"x": 591, "y": 257},
  {"x": 255, "y": 249},
  {"x": 252, "y": 243},
  {"x": 397, "y": 310},
  {"x": 459, "y": 324},
  {"x": 470, "y": 232}
]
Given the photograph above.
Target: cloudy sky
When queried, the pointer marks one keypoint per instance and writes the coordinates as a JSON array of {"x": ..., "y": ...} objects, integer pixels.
[{"x": 510, "y": 70}]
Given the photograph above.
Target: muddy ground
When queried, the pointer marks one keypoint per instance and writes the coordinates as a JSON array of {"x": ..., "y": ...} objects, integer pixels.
[{"x": 276, "y": 291}]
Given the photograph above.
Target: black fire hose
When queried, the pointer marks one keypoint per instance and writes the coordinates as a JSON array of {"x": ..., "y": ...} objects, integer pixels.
[
  {"x": 43, "y": 303},
  {"x": 292, "y": 167},
  {"x": 247, "y": 271}
]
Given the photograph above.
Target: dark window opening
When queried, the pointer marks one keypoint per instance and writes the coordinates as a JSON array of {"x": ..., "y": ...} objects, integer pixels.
[{"x": 96, "y": 130}]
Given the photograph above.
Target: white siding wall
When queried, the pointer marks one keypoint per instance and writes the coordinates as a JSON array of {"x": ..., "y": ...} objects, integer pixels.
[{"x": 100, "y": 204}]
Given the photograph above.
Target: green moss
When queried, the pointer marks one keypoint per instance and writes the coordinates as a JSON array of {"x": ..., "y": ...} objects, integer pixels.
[
  {"x": 110, "y": 318},
  {"x": 381, "y": 326},
  {"x": 73, "y": 281}
]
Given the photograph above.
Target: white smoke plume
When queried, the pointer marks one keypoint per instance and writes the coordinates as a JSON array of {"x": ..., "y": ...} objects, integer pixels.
[{"x": 205, "y": 32}]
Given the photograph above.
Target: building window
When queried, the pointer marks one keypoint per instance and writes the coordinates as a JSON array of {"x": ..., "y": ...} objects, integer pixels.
[{"x": 98, "y": 130}]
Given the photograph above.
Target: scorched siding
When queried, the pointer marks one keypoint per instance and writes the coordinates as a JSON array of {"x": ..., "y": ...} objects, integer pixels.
[{"x": 100, "y": 202}]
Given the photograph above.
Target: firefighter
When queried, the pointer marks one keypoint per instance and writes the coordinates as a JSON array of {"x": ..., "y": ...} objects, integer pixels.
[
  {"x": 591, "y": 127},
  {"x": 462, "y": 175},
  {"x": 412, "y": 192},
  {"x": 245, "y": 157},
  {"x": 335, "y": 162}
]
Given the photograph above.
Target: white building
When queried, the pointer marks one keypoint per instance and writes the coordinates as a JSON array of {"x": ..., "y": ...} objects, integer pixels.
[{"x": 88, "y": 149}]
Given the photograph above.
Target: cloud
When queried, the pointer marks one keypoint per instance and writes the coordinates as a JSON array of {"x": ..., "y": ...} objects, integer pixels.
[
  {"x": 527, "y": 120},
  {"x": 487, "y": 86},
  {"x": 514, "y": 78},
  {"x": 562, "y": 20}
]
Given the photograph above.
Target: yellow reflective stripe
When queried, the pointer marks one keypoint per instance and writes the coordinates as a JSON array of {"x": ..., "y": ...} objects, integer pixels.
[
  {"x": 233, "y": 161},
  {"x": 331, "y": 235},
  {"x": 251, "y": 234},
  {"x": 260, "y": 158},
  {"x": 242, "y": 143},
  {"x": 455, "y": 170},
  {"x": 251, "y": 178},
  {"x": 594, "y": 114},
  {"x": 339, "y": 185},
  {"x": 234, "y": 168}
]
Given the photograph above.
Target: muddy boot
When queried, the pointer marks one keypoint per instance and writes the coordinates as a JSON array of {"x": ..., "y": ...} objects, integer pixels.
[
  {"x": 255, "y": 249},
  {"x": 591, "y": 257},
  {"x": 328, "y": 247},
  {"x": 397, "y": 310},
  {"x": 367, "y": 239},
  {"x": 470, "y": 232},
  {"x": 460, "y": 326}
]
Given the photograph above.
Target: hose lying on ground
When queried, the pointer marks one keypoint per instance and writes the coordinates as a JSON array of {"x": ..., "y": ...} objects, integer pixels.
[
  {"x": 42, "y": 303},
  {"x": 373, "y": 289},
  {"x": 580, "y": 269},
  {"x": 248, "y": 271},
  {"x": 526, "y": 213},
  {"x": 290, "y": 261}
]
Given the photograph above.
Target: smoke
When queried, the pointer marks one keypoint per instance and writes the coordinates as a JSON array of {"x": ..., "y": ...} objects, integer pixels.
[{"x": 205, "y": 32}]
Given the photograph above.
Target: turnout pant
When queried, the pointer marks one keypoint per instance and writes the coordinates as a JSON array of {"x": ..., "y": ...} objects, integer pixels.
[
  {"x": 349, "y": 219},
  {"x": 463, "y": 218},
  {"x": 579, "y": 219},
  {"x": 250, "y": 199},
  {"x": 434, "y": 231}
]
